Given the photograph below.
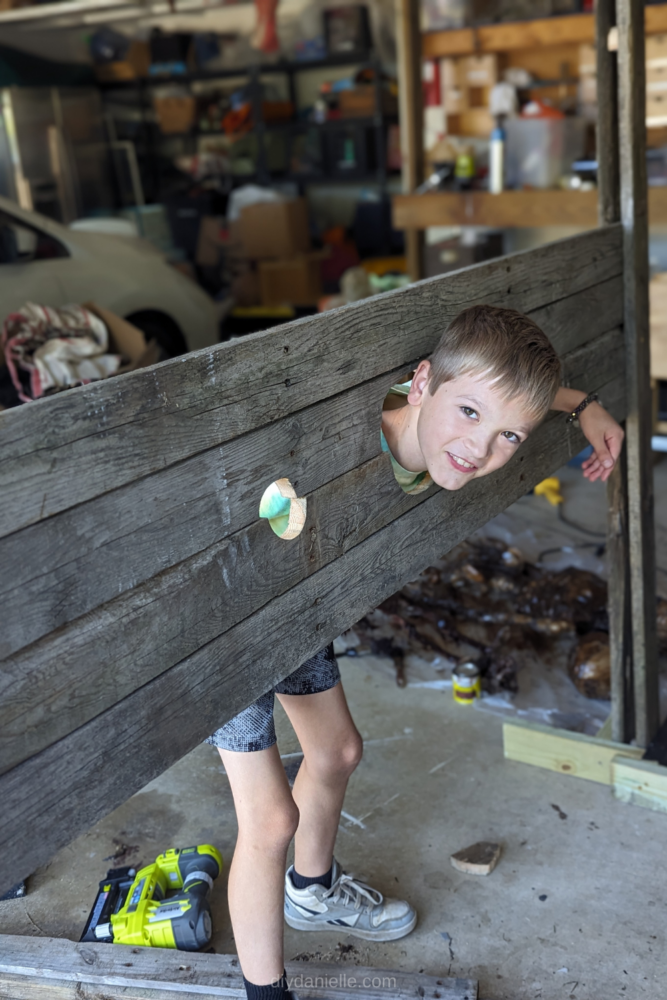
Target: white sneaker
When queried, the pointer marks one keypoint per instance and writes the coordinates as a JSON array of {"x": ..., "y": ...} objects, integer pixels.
[{"x": 349, "y": 904}]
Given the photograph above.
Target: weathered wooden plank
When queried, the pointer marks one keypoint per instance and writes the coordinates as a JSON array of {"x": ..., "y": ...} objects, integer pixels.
[
  {"x": 632, "y": 143},
  {"x": 560, "y": 750},
  {"x": 640, "y": 782},
  {"x": 621, "y": 719},
  {"x": 59, "y": 961},
  {"x": 28, "y": 988},
  {"x": 48, "y": 690},
  {"x": 66, "y": 565},
  {"x": 64, "y": 450},
  {"x": 60, "y": 568},
  {"x": 61, "y": 791}
]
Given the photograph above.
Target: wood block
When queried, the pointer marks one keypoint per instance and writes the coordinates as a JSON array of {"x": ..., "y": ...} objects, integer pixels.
[
  {"x": 560, "y": 750},
  {"x": 640, "y": 782},
  {"x": 478, "y": 859}
]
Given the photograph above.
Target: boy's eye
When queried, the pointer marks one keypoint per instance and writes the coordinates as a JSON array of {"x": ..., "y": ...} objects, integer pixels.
[
  {"x": 511, "y": 436},
  {"x": 469, "y": 412}
]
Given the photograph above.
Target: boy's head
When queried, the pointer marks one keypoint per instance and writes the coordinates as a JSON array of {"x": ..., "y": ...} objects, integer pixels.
[{"x": 490, "y": 381}]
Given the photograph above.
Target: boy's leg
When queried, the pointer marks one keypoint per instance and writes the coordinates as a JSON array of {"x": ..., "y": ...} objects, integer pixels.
[
  {"x": 267, "y": 818},
  {"x": 332, "y": 748}
]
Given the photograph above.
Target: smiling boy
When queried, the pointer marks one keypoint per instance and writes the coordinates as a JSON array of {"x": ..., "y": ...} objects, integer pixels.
[{"x": 490, "y": 381}]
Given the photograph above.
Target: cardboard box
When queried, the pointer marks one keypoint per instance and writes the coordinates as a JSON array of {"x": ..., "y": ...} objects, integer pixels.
[
  {"x": 135, "y": 65},
  {"x": 587, "y": 60},
  {"x": 360, "y": 102},
  {"x": 296, "y": 282},
  {"x": 656, "y": 48},
  {"x": 658, "y": 301},
  {"x": 656, "y": 75},
  {"x": 479, "y": 71},
  {"x": 273, "y": 229},
  {"x": 656, "y": 108},
  {"x": 126, "y": 339},
  {"x": 475, "y": 121},
  {"x": 175, "y": 114}
]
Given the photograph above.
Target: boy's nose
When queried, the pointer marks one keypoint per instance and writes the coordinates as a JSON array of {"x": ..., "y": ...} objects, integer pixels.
[{"x": 478, "y": 446}]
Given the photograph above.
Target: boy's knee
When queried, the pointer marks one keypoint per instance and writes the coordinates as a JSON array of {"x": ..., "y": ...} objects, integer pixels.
[
  {"x": 352, "y": 752},
  {"x": 342, "y": 759},
  {"x": 273, "y": 828}
]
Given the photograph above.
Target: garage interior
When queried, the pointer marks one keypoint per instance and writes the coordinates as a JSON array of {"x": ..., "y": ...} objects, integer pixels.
[{"x": 194, "y": 178}]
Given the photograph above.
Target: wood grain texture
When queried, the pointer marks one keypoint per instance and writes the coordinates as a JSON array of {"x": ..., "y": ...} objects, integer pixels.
[
  {"x": 640, "y": 782},
  {"x": 65, "y": 566},
  {"x": 59, "y": 452},
  {"x": 560, "y": 750},
  {"x": 61, "y": 791},
  {"x": 621, "y": 719},
  {"x": 633, "y": 200},
  {"x": 510, "y": 209},
  {"x": 57, "y": 961},
  {"x": 49, "y": 689}
]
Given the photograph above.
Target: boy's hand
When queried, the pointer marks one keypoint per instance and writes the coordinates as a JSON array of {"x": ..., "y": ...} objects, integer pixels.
[{"x": 606, "y": 436}]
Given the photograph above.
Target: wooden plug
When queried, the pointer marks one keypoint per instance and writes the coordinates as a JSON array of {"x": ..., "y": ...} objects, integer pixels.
[{"x": 478, "y": 859}]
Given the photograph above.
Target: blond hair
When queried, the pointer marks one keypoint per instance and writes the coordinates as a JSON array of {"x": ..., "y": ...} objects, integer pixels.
[{"x": 504, "y": 346}]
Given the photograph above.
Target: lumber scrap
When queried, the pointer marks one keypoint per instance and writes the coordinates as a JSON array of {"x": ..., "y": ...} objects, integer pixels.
[
  {"x": 560, "y": 750},
  {"x": 122, "y": 972},
  {"x": 640, "y": 782}
]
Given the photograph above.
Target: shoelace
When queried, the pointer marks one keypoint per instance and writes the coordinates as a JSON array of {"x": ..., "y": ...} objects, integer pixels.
[{"x": 349, "y": 889}]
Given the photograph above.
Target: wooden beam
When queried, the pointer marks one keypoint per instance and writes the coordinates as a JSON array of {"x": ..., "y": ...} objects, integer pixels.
[
  {"x": 574, "y": 28},
  {"x": 507, "y": 210},
  {"x": 181, "y": 506},
  {"x": 640, "y": 782},
  {"x": 125, "y": 972},
  {"x": 634, "y": 218},
  {"x": 560, "y": 750},
  {"x": 49, "y": 689},
  {"x": 621, "y": 719},
  {"x": 512, "y": 35},
  {"x": 511, "y": 209},
  {"x": 408, "y": 40}
]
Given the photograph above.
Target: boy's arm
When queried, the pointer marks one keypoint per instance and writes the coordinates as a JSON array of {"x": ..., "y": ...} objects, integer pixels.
[{"x": 600, "y": 430}]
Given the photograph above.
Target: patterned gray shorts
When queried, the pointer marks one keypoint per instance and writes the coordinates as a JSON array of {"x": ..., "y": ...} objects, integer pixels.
[{"x": 253, "y": 728}]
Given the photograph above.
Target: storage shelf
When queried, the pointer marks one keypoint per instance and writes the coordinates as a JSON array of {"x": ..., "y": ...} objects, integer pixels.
[
  {"x": 263, "y": 69},
  {"x": 509, "y": 210},
  {"x": 512, "y": 35}
]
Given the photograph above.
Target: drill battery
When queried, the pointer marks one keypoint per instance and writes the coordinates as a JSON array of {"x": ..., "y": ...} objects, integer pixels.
[{"x": 142, "y": 908}]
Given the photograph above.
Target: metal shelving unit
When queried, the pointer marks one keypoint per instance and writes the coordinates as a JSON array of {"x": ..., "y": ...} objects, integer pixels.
[{"x": 372, "y": 169}]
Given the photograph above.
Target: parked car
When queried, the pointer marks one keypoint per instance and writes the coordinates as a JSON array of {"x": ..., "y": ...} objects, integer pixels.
[{"x": 45, "y": 262}]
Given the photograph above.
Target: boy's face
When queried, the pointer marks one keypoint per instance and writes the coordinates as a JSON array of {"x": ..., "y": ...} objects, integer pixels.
[{"x": 466, "y": 429}]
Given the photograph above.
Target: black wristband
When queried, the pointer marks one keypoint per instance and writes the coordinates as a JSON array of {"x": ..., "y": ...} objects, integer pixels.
[{"x": 592, "y": 397}]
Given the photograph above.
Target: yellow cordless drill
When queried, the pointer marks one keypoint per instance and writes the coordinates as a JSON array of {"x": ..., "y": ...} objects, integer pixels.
[{"x": 134, "y": 907}]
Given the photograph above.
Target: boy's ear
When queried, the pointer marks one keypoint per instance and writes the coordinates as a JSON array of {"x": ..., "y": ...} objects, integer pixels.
[{"x": 419, "y": 386}]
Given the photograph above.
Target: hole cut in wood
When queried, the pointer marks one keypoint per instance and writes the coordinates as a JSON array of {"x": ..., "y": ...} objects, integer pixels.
[{"x": 284, "y": 510}]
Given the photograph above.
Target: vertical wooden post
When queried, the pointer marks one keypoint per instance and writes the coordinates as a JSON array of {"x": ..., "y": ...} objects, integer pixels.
[
  {"x": 408, "y": 41},
  {"x": 618, "y": 566},
  {"x": 634, "y": 217}
]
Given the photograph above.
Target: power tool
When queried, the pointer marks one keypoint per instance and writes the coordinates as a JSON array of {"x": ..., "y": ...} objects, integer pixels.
[{"x": 134, "y": 908}]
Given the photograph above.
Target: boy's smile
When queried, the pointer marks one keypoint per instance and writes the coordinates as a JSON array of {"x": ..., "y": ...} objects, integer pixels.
[{"x": 464, "y": 431}]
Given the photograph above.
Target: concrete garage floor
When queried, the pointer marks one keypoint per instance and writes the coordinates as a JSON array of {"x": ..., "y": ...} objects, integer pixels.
[{"x": 577, "y": 907}]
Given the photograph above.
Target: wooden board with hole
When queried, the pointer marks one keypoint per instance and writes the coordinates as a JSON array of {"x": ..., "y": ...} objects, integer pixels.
[{"x": 145, "y": 602}]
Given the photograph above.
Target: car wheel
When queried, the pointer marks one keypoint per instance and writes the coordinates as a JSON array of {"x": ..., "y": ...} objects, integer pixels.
[{"x": 162, "y": 328}]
